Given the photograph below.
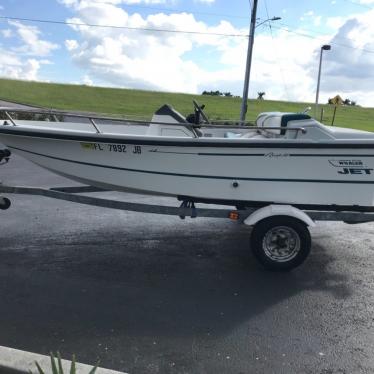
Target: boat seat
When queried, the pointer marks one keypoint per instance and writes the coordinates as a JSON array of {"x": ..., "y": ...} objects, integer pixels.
[
  {"x": 177, "y": 130},
  {"x": 277, "y": 122},
  {"x": 247, "y": 135},
  {"x": 232, "y": 135},
  {"x": 254, "y": 135}
]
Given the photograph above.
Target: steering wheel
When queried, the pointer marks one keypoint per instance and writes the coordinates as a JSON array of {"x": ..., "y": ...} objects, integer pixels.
[{"x": 199, "y": 110}]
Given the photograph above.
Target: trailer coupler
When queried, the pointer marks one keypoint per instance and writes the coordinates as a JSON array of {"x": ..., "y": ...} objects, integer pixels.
[{"x": 4, "y": 156}]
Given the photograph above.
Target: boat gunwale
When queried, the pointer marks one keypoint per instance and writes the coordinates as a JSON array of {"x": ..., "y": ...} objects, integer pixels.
[{"x": 183, "y": 141}]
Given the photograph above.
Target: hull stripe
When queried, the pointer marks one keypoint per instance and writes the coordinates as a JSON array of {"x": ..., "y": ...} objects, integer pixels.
[
  {"x": 266, "y": 154},
  {"x": 199, "y": 142},
  {"x": 195, "y": 175}
]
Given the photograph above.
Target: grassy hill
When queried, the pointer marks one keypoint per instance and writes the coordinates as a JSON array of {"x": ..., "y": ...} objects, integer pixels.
[{"x": 142, "y": 104}]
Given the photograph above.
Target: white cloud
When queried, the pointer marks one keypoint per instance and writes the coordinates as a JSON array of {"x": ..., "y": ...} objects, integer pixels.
[
  {"x": 348, "y": 70},
  {"x": 285, "y": 68},
  {"x": 143, "y": 1},
  {"x": 139, "y": 58},
  {"x": 75, "y": 3},
  {"x": 7, "y": 33},
  {"x": 71, "y": 44},
  {"x": 30, "y": 69},
  {"x": 32, "y": 44},
  {"x": 335, "y": 23},
  {"x": 317, "y": 20},
  {"x": 87, "y": 3},
  {"x": 87, "y": 80},
  {"x": 24, "y": 61},
  {"x": 310, "y": 15},
  {"x": 11, "y": 66},
  {"x": 159, "y": 60}
]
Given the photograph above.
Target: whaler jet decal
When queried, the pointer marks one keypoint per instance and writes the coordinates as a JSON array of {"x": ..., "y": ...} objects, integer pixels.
[{"x": 352, "y": 167}]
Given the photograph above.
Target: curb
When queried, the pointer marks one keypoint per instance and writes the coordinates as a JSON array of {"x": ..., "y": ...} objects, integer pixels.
[{"x": 14, "y": 361}]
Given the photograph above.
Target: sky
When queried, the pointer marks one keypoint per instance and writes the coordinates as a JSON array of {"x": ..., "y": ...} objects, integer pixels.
[{"x": 204, "y": 48}]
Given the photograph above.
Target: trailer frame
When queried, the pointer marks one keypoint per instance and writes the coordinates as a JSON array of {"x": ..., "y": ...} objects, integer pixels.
[{"x": 73, "y": 194}]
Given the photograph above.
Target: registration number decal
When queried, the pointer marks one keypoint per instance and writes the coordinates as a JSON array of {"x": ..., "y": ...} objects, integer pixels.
[{"x": 118, "y": 148}]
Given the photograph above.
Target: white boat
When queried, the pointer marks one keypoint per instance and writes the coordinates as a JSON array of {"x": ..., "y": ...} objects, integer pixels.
[{"x": 286, "y": 158}]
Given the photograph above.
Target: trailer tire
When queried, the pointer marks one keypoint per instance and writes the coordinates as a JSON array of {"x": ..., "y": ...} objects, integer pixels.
[
  {"x": 4, "y": 203},
  {"x": 280, "y": 243}
]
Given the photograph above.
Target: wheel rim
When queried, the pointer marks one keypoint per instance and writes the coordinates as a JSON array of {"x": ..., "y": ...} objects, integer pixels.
[{"x": 281, "y": 244}]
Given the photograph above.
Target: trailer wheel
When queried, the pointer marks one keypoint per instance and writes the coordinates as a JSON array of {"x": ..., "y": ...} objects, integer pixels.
[
  {"x": 4, "y": 203},
  {"x": 280, "y": 243}
]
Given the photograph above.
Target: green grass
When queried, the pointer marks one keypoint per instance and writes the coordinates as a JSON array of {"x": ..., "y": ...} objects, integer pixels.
[{"x": 143, "y": 103}]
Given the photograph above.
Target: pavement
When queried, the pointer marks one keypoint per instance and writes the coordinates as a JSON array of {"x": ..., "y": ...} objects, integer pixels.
[
  {"x": 10, "y": 104},
  {"x": 154, "y": 294}
]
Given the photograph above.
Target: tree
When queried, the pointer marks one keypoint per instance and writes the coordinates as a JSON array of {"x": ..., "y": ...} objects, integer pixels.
[
  {"x": 217, "y": 93},
  {"x": 337, "y": 100},
  {"x": 350, "y": 102},
  {"x": 261, "y": 95}
]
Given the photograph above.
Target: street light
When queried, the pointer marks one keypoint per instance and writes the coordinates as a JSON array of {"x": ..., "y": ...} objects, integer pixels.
[
  {"x": 253, "y": 26},
  {"x": 325, "y": 47},
  {"x": 267, "y": 20}
]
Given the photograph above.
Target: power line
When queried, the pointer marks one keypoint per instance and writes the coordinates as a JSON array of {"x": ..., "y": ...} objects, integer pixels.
[
  {"x": 289, "y": 28},
  {"x": 150, "y": 29},
  {"x": 316, "y": 37}
]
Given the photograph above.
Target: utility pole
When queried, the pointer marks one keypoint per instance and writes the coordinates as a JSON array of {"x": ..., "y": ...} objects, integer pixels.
[{"x": 251, "y": 40}]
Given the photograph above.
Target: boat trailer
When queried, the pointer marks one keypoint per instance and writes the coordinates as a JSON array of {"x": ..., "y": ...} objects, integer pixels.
[{"x": 280, "y": 238}]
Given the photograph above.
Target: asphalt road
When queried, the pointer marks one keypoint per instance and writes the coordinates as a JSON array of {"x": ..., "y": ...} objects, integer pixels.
[
  {"x": 9, "y": 104},
  {"x": 154, "y": 294}
]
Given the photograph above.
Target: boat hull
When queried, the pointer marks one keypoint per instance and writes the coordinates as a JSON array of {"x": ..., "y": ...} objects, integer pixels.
[{"x": 273, "y": 173}]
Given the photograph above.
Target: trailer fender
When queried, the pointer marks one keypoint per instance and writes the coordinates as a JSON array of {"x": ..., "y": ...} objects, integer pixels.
[{"x": 278, "y": 210}]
